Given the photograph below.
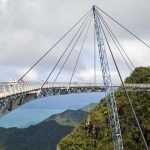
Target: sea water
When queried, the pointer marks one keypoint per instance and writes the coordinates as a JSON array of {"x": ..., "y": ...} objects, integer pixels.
[{"x": 36, "y": 111}]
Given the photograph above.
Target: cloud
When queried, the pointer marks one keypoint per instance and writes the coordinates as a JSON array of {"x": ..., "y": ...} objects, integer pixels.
[
  {"x": 32, "y": 76},
  {"x": 28, "y": 28},
  {"x": 88, "y": 76},
  {"x": 3, "y": 4}
]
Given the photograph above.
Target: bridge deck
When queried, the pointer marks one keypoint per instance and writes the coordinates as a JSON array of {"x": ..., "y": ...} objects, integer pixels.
[
  {"x": 15, "y": 94},
  {"x": 9, "y": 89}
]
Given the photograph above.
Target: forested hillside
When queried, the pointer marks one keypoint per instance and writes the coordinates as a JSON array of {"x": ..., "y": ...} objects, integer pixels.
[
  {"x": 45, "y": 135},
  {"x": 94, "y": 132}
]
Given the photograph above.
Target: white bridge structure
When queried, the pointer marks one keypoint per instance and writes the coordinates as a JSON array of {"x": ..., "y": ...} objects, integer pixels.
[{"x": 13, "y": 95}]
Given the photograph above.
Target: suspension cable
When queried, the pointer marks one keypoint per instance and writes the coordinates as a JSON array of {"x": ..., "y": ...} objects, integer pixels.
[
  {"x": 147, "y": 45},
  {"x": 80, "y": 52},
  {"x": 69, "y": 55},
  {"x": 56, "y": 43},
  {"x": 117, "y": 41},
  {"x": 94, "y": 55},
  {"x": 116, "y": 44},
  {"x": 65, "y": 51},
  {"x": 128, "y": 97}
]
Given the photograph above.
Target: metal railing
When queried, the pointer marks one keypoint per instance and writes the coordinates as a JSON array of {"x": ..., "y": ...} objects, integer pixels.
[{"x": 8, "y": 89}]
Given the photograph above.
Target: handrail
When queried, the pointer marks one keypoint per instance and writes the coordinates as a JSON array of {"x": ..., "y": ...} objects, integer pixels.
[{"x": 12, "y": 88}]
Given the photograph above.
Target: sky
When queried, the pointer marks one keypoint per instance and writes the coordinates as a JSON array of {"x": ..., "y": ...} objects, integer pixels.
[{"x": 28, "y": 28}]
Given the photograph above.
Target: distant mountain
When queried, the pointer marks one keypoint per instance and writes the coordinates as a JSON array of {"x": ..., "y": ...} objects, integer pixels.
[
  {"x": 89, "y": 107},
  {"x": 72, "y": 117},
  {"x": 43, "y": 136},
  {"x": 69, "y": 117}
]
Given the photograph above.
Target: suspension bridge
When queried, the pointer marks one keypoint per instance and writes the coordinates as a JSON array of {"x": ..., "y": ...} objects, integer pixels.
[{"x": 15, "y": 94}]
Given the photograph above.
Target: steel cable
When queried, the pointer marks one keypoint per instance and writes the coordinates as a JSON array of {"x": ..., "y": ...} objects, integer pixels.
[
  {"x": 113, "y": 37},
  {"x": 127, "y": 95},
  {"x": 66, "y": 50},
  {"x": 80, "y": 52},
  {"x": 147, "y": 45},
  {"x": 56, "y": 44}
]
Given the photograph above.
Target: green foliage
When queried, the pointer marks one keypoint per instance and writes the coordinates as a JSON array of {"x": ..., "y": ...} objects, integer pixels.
[
  {"x": 79, "y": 139},
  {"x": 140, "y": 75},
  {"x": 43, "y": 136}
]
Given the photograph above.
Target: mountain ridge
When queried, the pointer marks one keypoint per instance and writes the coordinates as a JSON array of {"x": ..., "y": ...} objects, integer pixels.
[
  {"x": 72, "y": 117},
  {"x": 42, "y": 136},
  {"x": 36, "y": 137}
]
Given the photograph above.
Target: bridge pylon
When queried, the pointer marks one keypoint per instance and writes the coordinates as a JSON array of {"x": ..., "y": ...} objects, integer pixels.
[{"x": 110, "y": 97}]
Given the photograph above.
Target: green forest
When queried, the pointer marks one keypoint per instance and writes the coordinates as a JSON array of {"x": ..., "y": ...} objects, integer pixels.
[
  {"x": 43, "y": 136},
  {"x": 98, "y": 135}
]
